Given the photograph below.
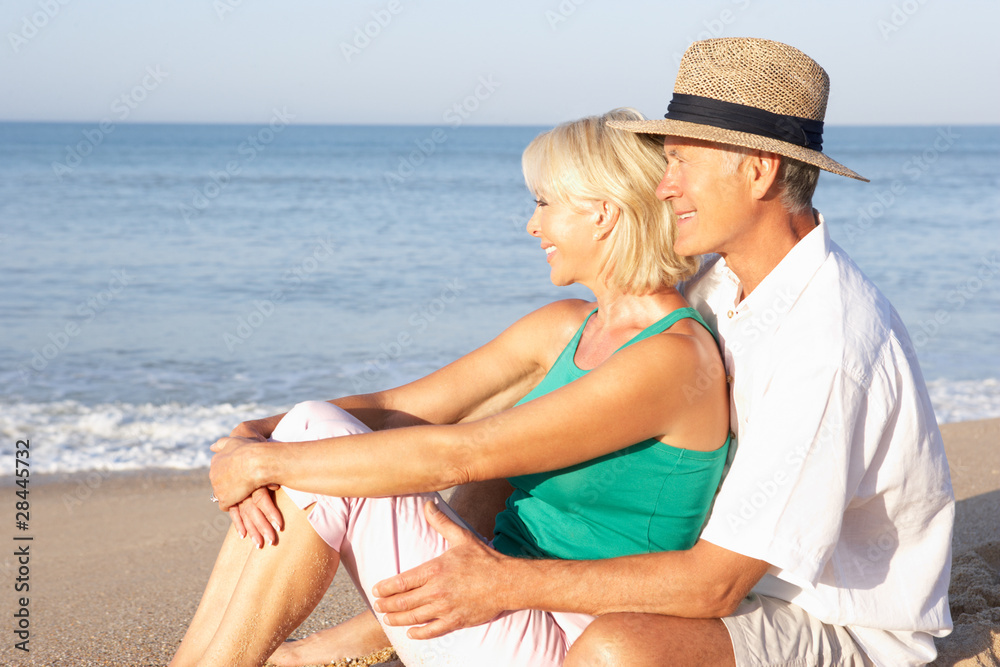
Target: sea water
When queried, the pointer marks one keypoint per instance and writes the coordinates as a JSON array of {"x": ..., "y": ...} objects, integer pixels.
[{"x": 162, "y": 283}]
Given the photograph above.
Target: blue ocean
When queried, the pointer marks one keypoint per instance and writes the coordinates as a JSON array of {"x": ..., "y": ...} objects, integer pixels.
[{"x": 162, "y": 283}]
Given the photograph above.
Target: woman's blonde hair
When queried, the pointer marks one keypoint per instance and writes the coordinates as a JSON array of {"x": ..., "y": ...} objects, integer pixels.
[{"x": 585, "y": 160}]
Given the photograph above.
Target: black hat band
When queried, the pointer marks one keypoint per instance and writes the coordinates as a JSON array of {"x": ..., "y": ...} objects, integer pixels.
[{"x": 803, "y": 132}]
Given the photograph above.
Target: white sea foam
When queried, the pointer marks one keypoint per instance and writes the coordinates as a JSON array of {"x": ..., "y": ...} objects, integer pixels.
[
  {"x": 959, "y": 401},
  {"x": 67, "y": 436}
]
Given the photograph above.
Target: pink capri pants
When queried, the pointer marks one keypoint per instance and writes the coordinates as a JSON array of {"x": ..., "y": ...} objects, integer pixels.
[{"x": 381, "y": 537}]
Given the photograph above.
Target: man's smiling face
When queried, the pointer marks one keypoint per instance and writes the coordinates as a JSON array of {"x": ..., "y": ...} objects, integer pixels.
[{"x": 711, "y": 202}]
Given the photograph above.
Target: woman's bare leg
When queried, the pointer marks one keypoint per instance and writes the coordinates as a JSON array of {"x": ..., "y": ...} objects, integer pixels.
[
  {"x": 277, "y": 588},
  {"x": 221, "y": 584},
  {"x": 353, "y": 638}
]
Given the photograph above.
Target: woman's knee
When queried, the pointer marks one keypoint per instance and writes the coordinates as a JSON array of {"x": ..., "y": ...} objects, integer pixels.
[{"x": 315, "y": 420}]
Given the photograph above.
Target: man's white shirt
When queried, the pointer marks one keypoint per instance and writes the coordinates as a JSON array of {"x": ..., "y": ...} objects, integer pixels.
[{"x": 839, "y": 478}]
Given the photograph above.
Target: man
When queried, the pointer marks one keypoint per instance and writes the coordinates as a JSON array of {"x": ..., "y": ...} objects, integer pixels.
[{"x": 829, "y": 542}]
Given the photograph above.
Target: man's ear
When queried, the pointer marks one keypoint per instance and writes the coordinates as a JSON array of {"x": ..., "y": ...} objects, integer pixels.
[
  {"x": 607, "y": 218},
  {"x": 762, "y": 172}
]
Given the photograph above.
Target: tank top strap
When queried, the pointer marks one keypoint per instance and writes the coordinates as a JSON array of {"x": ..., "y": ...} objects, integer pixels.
[
  {"x": 569, "y": 352},
  {"x": 662, "y": 325}
]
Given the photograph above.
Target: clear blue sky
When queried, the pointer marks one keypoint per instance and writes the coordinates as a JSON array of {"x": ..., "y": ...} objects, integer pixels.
[{"x": 890, "y": 62}]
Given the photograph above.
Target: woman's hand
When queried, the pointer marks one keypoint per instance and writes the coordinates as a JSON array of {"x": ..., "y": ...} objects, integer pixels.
[
  {"x": 233, "y": 471},
  {"x": 255, "y": 429},
  {"x": 257, "y": 516}
]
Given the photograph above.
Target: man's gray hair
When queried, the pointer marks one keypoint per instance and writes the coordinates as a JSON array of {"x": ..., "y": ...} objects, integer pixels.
[{"x": 796, "y": 180}]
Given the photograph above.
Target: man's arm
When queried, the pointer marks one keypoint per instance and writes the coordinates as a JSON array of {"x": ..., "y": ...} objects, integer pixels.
[{"x": 472, "y": 583}]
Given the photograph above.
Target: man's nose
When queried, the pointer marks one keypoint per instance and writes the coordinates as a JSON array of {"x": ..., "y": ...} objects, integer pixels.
[{"x": 667, "y": 189}]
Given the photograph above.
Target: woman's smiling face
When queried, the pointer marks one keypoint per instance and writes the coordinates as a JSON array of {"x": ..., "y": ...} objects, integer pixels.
[{"x": 567, "y": 235}]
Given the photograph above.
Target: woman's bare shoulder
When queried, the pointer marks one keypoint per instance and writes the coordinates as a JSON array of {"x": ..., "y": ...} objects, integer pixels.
[
  {"x": 544, "y": 332},
  {"x": 569, "y": 312},
  {"x": 559, "y": 319}
]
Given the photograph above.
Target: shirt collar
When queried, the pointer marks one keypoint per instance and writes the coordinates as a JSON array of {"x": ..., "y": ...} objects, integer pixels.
[{"x": 789, "y": 278}]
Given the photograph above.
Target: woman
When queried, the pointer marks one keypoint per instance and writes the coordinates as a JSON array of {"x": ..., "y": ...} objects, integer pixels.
[{"x": 625, "y": 400}]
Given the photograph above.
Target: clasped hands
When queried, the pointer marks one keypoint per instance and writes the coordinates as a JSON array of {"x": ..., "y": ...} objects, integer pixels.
[
  {"x": 251, "y": 507},
  {"x": 461, "y": 588}
]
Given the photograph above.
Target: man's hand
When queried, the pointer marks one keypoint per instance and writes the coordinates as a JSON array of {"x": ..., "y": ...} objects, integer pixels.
[
  {"x": 458, "y": 589},
  {"x": 230, "y": 472}
]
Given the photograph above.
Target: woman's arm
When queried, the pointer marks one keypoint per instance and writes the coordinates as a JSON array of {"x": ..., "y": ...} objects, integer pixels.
[
  {"x": 640, "y": 392},
  {"x": 481, "y": 383}
]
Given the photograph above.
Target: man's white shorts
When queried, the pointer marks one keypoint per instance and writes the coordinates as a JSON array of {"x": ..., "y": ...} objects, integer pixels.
[{"x": 768, "y": 632}]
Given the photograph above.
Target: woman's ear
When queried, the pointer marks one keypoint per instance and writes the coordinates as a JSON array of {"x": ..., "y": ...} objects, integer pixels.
[{"x": 607, "y": 218}]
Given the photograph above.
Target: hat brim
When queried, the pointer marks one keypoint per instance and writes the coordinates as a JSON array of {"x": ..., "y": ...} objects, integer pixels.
[{"x": 680, "y": 128}]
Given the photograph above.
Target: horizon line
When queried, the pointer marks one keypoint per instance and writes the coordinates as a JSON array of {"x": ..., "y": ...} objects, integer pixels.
[{"x": 430, "y": 125}]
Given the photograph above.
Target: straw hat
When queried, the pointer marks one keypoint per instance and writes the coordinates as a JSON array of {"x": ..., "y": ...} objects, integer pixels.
[{"x": 749, "y": 92}]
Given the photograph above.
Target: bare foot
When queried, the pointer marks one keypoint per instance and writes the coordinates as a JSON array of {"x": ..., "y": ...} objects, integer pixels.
[{"x": 354, "y": 638}]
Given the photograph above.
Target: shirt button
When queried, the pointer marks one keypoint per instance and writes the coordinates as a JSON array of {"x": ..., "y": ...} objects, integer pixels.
[
  {"x": 729, "y": 379},
  {"x": 730, "y": 314}
]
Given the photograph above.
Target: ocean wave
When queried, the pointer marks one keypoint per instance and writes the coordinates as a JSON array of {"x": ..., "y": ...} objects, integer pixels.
[
  {"x": 69, "y": 436},
  {"x": 964, "y": 400}
]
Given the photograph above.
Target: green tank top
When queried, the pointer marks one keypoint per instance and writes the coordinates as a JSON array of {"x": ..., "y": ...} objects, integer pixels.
[{"x": 643, "y": 498}]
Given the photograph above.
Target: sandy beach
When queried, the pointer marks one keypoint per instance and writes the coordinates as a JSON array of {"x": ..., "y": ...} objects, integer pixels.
[{"x": 118, "y": 561}]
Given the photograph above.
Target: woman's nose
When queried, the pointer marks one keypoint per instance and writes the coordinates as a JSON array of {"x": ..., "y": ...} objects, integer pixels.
[{"x": 533, "y": 227}]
